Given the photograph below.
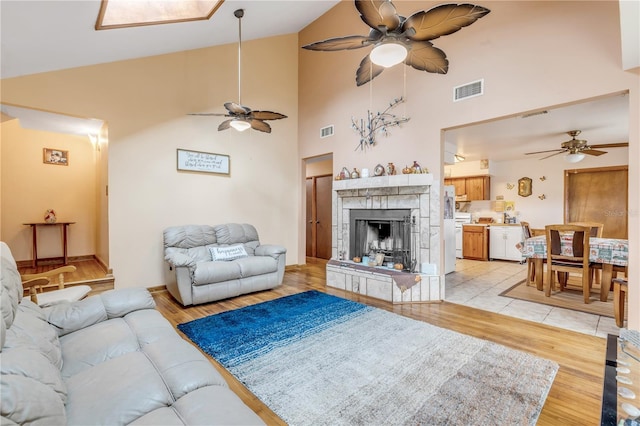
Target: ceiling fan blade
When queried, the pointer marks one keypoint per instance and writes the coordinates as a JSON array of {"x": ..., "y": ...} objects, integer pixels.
[
  {"x": 610, "y": 145},
  {"x": 209, "y": 114},
  {"x": 367, "y": 71},
  {"x": 267, "y": 115},
  {"x": 593, "y": 152},
  {"x": 378, "y": 13},
  {"x": 442, "y": 20},
  {"x": 340, "y": 43},
  {"x": 552, "y": 155},
  {"x": 224, "y": 125},
  {"x": 237, "y": 109},
  {"x": 424, "y": 57},
  {"x": 541, "y": 152},
  {"x": 260, "y": 125}
]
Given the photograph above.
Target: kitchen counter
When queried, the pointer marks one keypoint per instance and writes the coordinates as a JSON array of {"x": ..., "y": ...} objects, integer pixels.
[{"x": 505, "y": 224}]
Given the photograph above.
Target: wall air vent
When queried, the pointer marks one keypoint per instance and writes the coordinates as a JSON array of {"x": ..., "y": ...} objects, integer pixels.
[
  {"x": 325, "y": 132},
  {"x": 469, "y": 90}
]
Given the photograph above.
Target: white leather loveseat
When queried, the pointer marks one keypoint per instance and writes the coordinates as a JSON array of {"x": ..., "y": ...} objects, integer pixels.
[
  {"x": 109, "y": 359},
  {"x": 209, "y": 263}
]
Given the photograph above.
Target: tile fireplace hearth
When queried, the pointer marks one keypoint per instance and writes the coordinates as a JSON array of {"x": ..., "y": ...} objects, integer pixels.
[{"x": 419, "y": 200}]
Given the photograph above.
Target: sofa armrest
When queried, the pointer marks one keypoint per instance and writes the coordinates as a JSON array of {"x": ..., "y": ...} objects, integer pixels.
[
  {"x": 180, "y": 259},
  {"x": 272, "y": 250},
  {"x": 69, "y": 317}
]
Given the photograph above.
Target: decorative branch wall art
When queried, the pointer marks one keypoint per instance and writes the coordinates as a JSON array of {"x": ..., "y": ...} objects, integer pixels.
[{"x": 380, "y": 122}]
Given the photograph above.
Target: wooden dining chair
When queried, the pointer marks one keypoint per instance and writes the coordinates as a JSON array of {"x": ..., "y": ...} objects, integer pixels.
[
  {"x": 596, "y": 228},
  {"x": 565, "y": 263},
  {"x": 531, "y": 271},
  {"x": 39, "y": 286},
  {"x": 596, "y": 231}
]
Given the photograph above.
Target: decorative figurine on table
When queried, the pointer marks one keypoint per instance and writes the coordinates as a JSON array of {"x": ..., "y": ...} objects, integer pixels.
[
  {"x": 50, "y": 216},
  {"x": 416, "y": 167}
]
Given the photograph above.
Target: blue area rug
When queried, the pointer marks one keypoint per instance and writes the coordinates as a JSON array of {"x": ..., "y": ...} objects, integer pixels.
[{"x": 318, "y": 359}]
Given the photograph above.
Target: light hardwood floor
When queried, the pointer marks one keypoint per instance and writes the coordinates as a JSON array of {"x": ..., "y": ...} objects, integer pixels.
[{"x": 574, "y": 398}]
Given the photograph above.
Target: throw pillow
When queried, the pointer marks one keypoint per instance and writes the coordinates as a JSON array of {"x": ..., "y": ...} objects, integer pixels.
[{"x": 228, "y": 252}]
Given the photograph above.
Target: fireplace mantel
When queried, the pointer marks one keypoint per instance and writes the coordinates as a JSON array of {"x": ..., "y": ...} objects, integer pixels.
[{"x": 423, "y": 179}]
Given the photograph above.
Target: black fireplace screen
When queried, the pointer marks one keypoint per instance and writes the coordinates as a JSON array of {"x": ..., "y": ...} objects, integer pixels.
[{"x": 381, "y": 231}]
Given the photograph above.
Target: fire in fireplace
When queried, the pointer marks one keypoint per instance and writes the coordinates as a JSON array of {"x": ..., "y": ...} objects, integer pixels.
[{"x": 382, "y": 231}]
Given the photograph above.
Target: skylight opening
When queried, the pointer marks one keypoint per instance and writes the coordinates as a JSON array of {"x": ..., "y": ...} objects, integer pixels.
[{"x": 132, "y": 13}]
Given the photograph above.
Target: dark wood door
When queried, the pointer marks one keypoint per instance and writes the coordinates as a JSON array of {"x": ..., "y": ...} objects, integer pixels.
[
  {"x": 318, "y": 227},
  {"x": 598, "y": 195}
]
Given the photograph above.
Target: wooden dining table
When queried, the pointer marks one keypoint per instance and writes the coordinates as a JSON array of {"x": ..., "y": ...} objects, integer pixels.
[{"x": 611, "y": 253}]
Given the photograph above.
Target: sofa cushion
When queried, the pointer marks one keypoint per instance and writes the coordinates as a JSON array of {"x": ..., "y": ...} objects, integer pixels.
[
  {"x": 232, "y": 233},
  {"x": 117, "y": 391},
  {"x": 189, "y": 236},
  {"x": 215, "y": 272},
  {"x": 101, "y": 342},
  {"x": 194, "y": 409},
  {"x": 226, "y": 253},
  {"x": 30, "y": 329},
  {"x": 27, "y": 401},
  {"x": 30, "y": 363},
  {"x": 257, "y": 265}
]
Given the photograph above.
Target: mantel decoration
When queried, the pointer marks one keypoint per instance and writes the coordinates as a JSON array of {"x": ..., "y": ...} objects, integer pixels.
[
  {"x": 377, "y": 123},
  {"x": 398, "y": 39}
]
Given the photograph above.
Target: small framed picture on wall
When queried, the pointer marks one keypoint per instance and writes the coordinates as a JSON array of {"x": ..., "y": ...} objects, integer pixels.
[{"x": 55, "y": 156}]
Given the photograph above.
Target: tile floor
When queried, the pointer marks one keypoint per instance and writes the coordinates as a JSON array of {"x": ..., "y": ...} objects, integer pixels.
[{"x": 479, "y": 284}]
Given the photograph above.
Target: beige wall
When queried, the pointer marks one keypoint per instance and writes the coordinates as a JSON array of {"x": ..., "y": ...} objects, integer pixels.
[
  {"x": 527, "y": 55},
  {"x": 30, "y": 187},
  {"x": 145, "y": 102}
]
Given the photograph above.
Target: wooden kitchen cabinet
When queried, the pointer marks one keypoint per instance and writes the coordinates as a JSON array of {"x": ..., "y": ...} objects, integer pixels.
[
  {"x": 459, "y": 184},
  {"x": 474, "y": 187},
  {"x": 475, "y": 242}
]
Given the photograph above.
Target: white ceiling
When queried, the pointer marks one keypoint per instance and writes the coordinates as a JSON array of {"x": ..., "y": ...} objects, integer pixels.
[
  {"x": 47, "y": 35},
  {"x": 40, "y": 36}
]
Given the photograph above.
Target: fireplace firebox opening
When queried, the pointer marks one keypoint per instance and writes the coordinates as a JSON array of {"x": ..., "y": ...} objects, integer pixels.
[{"x": 382, "y": 231}]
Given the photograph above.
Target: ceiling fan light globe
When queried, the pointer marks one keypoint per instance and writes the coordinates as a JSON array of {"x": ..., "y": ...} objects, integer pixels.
[
  {"x": 240, "y": 125},
  {"x": 388, "y": 54},
  {"x": 574, "y": 158}
]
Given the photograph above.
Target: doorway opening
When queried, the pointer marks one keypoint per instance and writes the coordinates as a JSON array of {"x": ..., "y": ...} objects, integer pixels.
[{"x": 318, "y": 202}]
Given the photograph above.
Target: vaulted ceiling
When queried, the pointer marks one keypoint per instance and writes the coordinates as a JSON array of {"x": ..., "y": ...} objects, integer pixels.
[{"x": 41, "y": 36}]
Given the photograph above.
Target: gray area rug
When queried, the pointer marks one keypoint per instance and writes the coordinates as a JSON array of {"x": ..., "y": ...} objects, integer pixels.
[{"x": 373, "y": 367}]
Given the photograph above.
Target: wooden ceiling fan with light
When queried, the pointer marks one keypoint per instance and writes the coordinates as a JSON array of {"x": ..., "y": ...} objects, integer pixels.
[
  {"x": 577, "y": 148},
  {"x": 243, "y": 117},
  {"x": 398, "y": 39}
]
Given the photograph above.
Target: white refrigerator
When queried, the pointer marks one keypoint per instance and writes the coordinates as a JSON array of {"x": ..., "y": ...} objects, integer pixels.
[{"x": 449, "y": 228}]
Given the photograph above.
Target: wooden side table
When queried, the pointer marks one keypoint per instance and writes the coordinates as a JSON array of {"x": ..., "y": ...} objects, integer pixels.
[{"x": 34, "y": 233}]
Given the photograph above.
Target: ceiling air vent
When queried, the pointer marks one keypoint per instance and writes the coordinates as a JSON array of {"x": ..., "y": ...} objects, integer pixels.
[
  {"x": 325, "y": 132},
  {"x": 469, "y": 90}
]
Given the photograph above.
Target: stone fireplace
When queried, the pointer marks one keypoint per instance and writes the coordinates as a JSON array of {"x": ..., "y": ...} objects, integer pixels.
[{"x": 395, "y": 216}]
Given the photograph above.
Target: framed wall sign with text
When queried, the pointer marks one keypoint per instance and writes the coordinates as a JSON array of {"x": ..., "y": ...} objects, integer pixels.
[{"x": 203, "y": 162}]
